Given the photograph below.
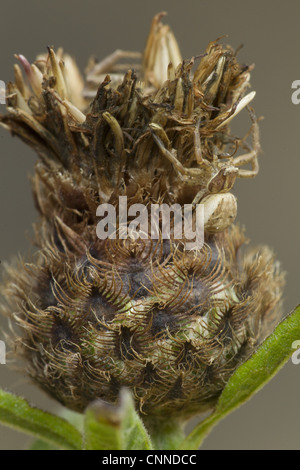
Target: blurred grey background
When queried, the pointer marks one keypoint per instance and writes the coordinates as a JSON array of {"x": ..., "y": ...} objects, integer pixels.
[{"x": 268, "y": 205}]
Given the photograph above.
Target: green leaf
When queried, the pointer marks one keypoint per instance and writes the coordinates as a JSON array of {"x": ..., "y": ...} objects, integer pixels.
[
  {"x": 135, "y": 436},
  {"x": 115, "y": 427},
  {"x": 18, "y": 414},
  {"x": 38, "y": 444},
  {"x": 76, "y": 419},
  {"x": 251, "y": 376}
]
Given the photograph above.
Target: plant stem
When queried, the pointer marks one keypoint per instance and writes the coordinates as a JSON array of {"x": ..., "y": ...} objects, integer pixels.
[{"x": 165, "y": 435}]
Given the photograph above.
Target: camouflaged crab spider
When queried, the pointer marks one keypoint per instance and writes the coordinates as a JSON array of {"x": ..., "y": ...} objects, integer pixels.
[
  {"x": 215, "y": 178},
  {"x": 218, "y": 180},
  {"x": 97, "y": 72}
]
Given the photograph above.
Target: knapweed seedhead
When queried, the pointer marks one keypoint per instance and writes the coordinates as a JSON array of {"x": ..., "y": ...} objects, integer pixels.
[{"x": 94, "y": 315}]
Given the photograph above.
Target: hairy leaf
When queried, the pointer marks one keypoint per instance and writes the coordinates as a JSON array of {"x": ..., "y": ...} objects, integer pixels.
[{"x": 18, "y": 414}]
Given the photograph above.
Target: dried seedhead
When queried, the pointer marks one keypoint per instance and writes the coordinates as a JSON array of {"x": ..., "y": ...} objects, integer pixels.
[{"x": 96, "y": 315}]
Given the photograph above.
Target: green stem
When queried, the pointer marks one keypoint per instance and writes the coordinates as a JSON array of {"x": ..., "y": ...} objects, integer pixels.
[{"x": 165, "y": 435}]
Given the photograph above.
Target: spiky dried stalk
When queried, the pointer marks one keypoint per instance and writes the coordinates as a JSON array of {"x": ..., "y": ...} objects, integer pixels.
[{"x": 96, "y": 315}]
